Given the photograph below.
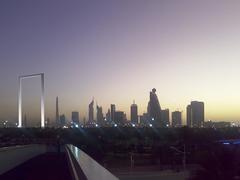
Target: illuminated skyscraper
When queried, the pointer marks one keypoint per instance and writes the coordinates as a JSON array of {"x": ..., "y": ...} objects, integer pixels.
[
  {"x": 176, "y": 119},
  {"x": 154, "y": 109},
  {"x": 134, "y": 113},
  {"x": 91, "y": 112}
]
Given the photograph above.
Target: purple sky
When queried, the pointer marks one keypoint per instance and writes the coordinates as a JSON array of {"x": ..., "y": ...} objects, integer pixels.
[{"x": 117, "y": 51}]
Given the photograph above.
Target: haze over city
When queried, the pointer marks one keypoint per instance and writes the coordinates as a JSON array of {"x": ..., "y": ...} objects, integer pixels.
[{"x": 117, "y": 51}]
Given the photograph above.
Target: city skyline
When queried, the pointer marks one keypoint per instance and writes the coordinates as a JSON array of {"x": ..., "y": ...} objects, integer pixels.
[{"x": 117, "y": 52}]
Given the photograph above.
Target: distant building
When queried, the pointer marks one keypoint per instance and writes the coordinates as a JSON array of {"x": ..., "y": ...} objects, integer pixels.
[
  {"x": 145, "y": 119},
  {"x": 62, "y": 120},
  {"x": 134, "y": 113},
  {"x": 220, "y": 124},
  {"x": 100, "y": 119},
  {"x": 154, "y": 109},
  {"x": 84, "y": 121},
  {"x": 189, "y": 116},
  {"x": 91, "y": 112},
  {"x": 108, "y": 116},
  {"x": 113, "y": 109},
  {"x": 176, "y": 119},
  {"x": 165, "y": 117},
  {"x": 57, "y": 113},
  {"x": 75, "y": 117},
  {"x": 119, "y": 117},
  {"x": 197, "y": 114}
]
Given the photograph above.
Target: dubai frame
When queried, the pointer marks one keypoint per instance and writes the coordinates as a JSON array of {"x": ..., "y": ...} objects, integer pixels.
[{"x": 20, "y": 78}]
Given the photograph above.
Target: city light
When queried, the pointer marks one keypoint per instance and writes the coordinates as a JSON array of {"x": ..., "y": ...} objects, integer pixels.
[
  {"x": 133, "y": 125},
  {"x": 115, "y": 125},
  {"x": 76, "y": 125},
  {"x": 150, "y": 125}
]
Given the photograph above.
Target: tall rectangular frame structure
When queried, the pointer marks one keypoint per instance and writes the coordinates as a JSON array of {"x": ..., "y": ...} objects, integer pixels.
[{"x": 20, "y": 78}]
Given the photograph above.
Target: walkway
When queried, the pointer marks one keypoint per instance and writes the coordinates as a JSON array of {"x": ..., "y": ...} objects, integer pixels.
[{"x": 47, "y": 166}]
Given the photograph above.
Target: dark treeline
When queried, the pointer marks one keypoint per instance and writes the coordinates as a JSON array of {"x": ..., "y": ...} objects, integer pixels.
[{"x": 108, "y": 144}]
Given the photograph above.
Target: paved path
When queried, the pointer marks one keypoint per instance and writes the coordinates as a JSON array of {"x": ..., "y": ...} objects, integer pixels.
[{"x": 49, "y": 166}]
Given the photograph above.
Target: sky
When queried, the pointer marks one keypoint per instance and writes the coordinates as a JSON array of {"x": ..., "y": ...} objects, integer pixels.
[{"x": 116, "y": 51}]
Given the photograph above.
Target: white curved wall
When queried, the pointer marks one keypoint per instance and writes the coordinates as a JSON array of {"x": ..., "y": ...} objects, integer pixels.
[{"x": 91, "y": 169}]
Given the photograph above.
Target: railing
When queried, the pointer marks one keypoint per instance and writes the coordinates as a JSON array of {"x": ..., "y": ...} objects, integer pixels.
[
  {"x": 11, "y": 157},
  {"x": 90, "y": 168}
]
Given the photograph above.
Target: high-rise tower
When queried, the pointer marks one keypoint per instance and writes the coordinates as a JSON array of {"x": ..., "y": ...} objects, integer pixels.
[
  {"x": 100, "y": 119},
  {"x": 75, "y": 118},
  {"x": 113, "y": 109},
  {"x": 57, "y": 113},
  {"x": 189, "y": 116},
  {"x": 154, "y": 110},
  {"x": 91, "y": 112},
  {"x": 176, "y": 119},
  {"x": 197, "y": 113},
  {"x": 134, "y": 113},
  {"x": 165, "y": 117}
]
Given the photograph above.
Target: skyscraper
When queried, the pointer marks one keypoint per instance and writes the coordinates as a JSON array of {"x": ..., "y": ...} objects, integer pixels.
[
  {"x": 197, "y": 113},
  {"x": 176, "y": 119},
  {"x": 113, "y": 109},
  {"x": 62, "y": 120},
  {"x": 57, "y": 113},
  {"x": 165, "y": 117},
  {"x": 108, "y": 116},
  {"x": 75, "y": 118},
  {"x": 154, "y": 109},
  {"x": 119, "y": 117},
  {"x": 100, "y": 119},
  {"x": 189, "y": 116},
  {"x": 134, "y": 113},
  {"x": 91, "y": 112},
  {"x": 145, "y": 120}
]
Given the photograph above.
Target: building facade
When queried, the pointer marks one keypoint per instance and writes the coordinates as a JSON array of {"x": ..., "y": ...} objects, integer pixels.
[
  {"x": 165, "y": 117},
  {"x": 100, "y": 119},
  {"x": 75, "y": 118},
  {"x": 154, "y": 110},
  {"x": 113, "y": 110},
  {"x": 91, "y": 112},
  {"x": 176, "y": 119},
  {"x": 134, "y": 113},
  {"x": 197, "y": 114},
  {"x": 189, "y": 116}
]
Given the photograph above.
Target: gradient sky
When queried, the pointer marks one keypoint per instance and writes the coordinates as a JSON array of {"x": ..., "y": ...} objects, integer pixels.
[{"x": 117, "y": 51}]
